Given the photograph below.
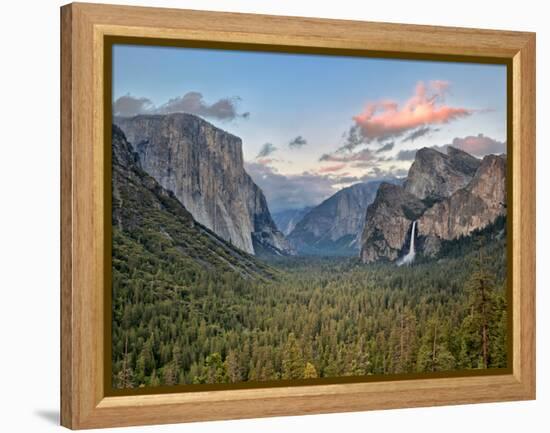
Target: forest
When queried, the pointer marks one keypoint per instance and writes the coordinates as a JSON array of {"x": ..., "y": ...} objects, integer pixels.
[{"x": 177, "y": 322}]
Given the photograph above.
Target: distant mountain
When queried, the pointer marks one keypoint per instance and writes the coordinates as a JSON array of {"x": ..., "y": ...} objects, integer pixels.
[
  {"x": 203, "y": 166},
  {"x": 448, "y": 195},
  {"x": 152, "y": 230},
  {"x": 287, "y": 219},
  {"x": 334, "y": 227}
]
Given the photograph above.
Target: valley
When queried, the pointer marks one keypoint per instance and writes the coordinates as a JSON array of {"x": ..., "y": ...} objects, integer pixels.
[{"x": 319, "y": 317}]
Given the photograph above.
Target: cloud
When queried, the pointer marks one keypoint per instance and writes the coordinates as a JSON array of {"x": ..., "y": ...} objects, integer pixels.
[
  {"x": 420, "y": 132},
  {"x": 365, "y": 164},
  {"x": 365, "y": 158},
  {"x": 191, "y": 102},
  {"x": 391, "y": 173},
  {"x": 362, "y": 155},
  {"x": 386, "y": 147},
  {"x": 384, "y": 119},
  {"x": 440, "y": 86},
  {"x": 291, "y": 191},
  {"x": 129, "y": 105},
  {"x": 297, "y": 142},
  {"x": 266, "y": 150},
  {"x": 479, "y": 145},
  {"x": 308, "y": 188},
  {"x": 352, "y": 139},
  {"x": 332, "y": 168},
  {"x": 406, "y": 155}
]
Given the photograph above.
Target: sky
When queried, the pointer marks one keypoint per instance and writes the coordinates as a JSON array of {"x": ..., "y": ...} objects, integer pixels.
[{"x": 313, "y": 124}]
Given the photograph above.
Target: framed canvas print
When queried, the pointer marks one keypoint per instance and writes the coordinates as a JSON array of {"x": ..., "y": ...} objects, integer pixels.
[{"x": 270, "y": 216}]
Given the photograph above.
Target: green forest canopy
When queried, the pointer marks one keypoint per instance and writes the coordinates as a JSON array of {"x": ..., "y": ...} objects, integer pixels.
[{"x": 176, "y": 322}]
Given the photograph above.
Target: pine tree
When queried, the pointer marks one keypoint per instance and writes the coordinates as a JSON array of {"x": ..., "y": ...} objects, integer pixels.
[
  {"x": 267, "y": 371},
  {"x": 498, "y": 337},
  {"x": 176, "y": 362},
  {"x": 146, "y": 362},
  {"x": 407, "y": 340},
  {"x": 434, "y": 354},
  {"x": 480, "y": 323},
  {"x": 125, "y": 377},
  {"x": 215, "y": 369},
  {"x": 357, "y": 359},
  {"x": 293, "y": 361},
  {"x": 309, "y": 371},
  {"x": 170, "y": 374},
  {"x": 155, "y": 381},
  {"x": 233, "y": 368}
]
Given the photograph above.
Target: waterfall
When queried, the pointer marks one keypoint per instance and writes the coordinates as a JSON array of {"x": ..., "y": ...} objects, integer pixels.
[{"x": 409, "y": 257}]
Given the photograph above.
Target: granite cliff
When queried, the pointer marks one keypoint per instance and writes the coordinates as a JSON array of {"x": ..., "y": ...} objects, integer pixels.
[
  {"x": 449, "y": 195},
  {"x": 388, "y": 222},
  {"x": 470, "y": 208},
  {"x": 434, "y": 175},
  {"x": 152, "y": 227},
  {"x": 203, "y": 166}
]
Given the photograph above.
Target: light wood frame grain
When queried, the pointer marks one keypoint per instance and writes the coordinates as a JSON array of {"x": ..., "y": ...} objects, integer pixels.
[{"x": 83, "y": 400}]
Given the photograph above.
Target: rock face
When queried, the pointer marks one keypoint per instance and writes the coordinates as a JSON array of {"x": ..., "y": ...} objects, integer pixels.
[
  {"x": 287, "y": 219},
  {"x": 448, "y": 195},
  {"x": 434, "y": 175},
  {"x": 469, "y": 208},
  {"x": 334, "y": 226},
  {"x": 388, "y": 222},
  {"x": 147, "y": 217},
  {"x": 203, "y": 166}
]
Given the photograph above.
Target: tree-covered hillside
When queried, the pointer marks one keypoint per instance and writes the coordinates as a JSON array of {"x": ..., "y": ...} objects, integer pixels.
[{"x": 319, "y": 318}]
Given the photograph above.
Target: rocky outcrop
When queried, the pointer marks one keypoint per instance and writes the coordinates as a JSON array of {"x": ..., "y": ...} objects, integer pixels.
[
  {"x": 203, "y": 166},
  {"x": 454, "y": 195},
  {"x": 388, "y": 222},
  {"x": 469, "y": 208},
  {"x": 334, "y": 226},
  {"x": 489, "y": 182},
  {"x": 435, "y": 175}
]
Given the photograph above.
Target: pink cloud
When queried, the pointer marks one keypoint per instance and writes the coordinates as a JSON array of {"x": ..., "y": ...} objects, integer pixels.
[
  {"x": 332, "y": 168},
  {"x": 386, "y": 118},
  {"x": 440, "y": 86}
]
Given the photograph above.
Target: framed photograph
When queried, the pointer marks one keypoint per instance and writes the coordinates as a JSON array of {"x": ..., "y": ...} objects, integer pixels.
[{"x": 266, "y": 216}]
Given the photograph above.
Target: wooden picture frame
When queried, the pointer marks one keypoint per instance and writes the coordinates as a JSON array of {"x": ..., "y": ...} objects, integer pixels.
[{"x": 84, "y": 28}]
